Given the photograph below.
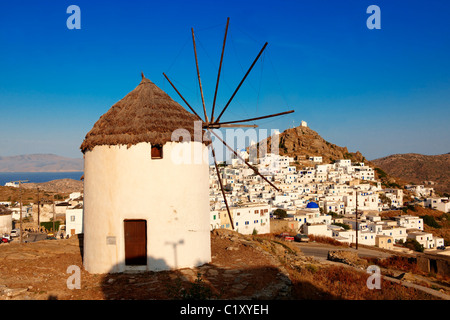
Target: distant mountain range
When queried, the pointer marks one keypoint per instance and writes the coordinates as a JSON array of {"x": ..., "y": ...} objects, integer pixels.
[
  {"x": 418, "y": 169},
  {"x": 40, "y": 163}
]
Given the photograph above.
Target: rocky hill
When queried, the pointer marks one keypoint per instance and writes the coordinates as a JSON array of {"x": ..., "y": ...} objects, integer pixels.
[
  {"x": 60, "y": 185},
  {"x": 432, "y": 170},
  {"x": 40, "y": 163},
  {"x": 303, "y": 142}
]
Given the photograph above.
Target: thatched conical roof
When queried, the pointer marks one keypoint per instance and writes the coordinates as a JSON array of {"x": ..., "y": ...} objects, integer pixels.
[{"x": 146, "y": 114}]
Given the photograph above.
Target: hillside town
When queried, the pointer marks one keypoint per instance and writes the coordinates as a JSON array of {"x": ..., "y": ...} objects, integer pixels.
[
  {"x": 316, "y": 199},
  {"x": 320, "y": 199}
]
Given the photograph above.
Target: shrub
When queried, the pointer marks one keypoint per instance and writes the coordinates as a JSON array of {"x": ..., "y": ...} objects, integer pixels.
[
  {"x": 413, "y": 245},
  {"x": 381, "y": 173},
  {"x": 196, "y": 291},
  {"x": 343, "y": 225},
  {"x": 328, "y": 240},
  {"x": 429, "y": 221},
  {"x": 280, "y": 213}
]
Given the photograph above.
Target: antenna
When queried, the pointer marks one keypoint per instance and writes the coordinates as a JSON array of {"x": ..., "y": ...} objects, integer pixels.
[{"x": 210, "y": 124}]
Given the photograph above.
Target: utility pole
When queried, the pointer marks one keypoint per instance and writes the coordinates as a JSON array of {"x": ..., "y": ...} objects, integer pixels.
[
  {"x": 39, "y": 209},
  {"x": 20, "y": 193},
  {"x": 54, "y": 217},
  {"x": 356, "y": 217}
]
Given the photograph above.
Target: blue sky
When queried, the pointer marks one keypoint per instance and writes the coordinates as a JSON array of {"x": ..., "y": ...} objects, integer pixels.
[{"x": 380, "y": 91}]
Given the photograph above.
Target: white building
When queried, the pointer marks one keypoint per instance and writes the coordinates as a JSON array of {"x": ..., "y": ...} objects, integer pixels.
[
  {"x": 420, "y": 190},
  {"x": 250, "y": 218},
  {"x": 317, "y": 229},
  {"x": 398, "y": 234},
  {"x": 410, "y": 222},
  {"x": 349, "y": 236},
  {"x": 426, "y": 239},
  {"x": 74, "y": 220},
  {"x": 441, "y": 204},
  {"x": 12, "y": 184},
  {"x": 315, "y": 159}
]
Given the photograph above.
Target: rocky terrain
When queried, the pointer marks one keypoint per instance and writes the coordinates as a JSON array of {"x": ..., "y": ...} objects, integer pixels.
[
  {"x": 58, "y": 186},
  {"x": 302, "y": 142},
  {"x": 419, "y": 169},
  {"x": 242, "y": 267}
]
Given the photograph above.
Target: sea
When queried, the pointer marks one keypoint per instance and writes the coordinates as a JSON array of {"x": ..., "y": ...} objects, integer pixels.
[{"x": 37, "y": 177}]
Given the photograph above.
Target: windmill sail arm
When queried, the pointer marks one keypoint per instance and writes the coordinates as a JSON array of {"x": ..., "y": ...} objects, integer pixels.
[
  {"x": 220, "y": 68},
  {"x": 173, "y": 86},
  {"x": 257, "y": 118},
  {"x": 240, "y": 84},
  {"x": 242, "y": 159},
  {"x": 221, "y": 186}
]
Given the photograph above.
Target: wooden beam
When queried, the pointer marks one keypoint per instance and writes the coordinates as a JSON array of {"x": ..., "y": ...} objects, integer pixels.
[
  {"x": 218, "y": 126},
  {"x": 220, "y": 68},
  {"x": 242, "y": 159},
  {"x": 242, "y": 81},
  {"x": 221, "y": 185},
  {"x": 258, "y": 118},
  {"x": 173, "y": 86},
  {"x": 198, "y": 75}
]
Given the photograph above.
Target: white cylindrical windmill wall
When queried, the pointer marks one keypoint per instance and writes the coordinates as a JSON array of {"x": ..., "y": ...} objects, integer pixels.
[{"x": 123, "y": 183}]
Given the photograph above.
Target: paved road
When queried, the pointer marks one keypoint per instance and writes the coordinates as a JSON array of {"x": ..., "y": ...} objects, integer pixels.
[{"x": 320, "y": 250}]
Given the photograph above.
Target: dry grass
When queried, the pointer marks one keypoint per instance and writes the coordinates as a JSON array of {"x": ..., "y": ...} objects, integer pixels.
[
  {"x": 327, "y": 240},
  {"x": 28, "y": 195},
  {"x": 344, "y": 283}
]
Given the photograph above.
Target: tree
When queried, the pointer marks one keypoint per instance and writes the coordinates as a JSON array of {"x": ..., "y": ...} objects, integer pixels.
[
  {"x": 413, "y": 244},
  {"x": 280, "y": 213}
]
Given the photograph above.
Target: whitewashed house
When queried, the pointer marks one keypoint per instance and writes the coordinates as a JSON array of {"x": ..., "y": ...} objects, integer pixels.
[
  {"x": 426, "y": 239},
  {"x": 74, "y": 220},
  {"x": 250, "y": 218},
  {"x": 410, "y": 222}
]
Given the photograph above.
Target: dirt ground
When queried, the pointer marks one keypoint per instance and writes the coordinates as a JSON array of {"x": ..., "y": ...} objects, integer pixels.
[
  {"x": 242, "y": 268},
  {"x": 39, "y": 271}
]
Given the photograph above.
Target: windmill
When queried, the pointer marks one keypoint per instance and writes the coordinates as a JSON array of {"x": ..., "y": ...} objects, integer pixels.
[{"x": 214, "y": 123}]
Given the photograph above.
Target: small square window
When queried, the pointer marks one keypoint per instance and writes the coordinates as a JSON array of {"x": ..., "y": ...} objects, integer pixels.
[{"x": 157, "y": 151}]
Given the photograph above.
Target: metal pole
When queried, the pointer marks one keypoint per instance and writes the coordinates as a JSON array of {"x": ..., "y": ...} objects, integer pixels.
[
  {"x": 54, "y": 217},
  {"x": 39, "y": 210},
  {"x": 20, "y": 192},
  {"x": 356, "y": 217}
]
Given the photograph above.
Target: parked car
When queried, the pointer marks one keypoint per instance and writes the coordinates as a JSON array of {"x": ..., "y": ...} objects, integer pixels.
[
  {"x": 15, "y": 232},
  {"x": 301, "y": 238},
  {"x": 4, "y": 240},
  {"x": 441, "y": 248},
  {"x": 286, "y": 236}
]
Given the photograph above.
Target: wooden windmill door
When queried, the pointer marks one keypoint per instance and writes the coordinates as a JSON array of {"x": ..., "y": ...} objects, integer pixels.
[{"x": 135, "y": 242}]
